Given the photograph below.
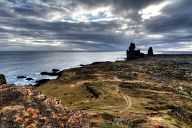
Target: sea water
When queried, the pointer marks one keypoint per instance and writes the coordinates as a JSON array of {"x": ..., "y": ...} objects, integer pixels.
[{"x": 31, "y": 64}]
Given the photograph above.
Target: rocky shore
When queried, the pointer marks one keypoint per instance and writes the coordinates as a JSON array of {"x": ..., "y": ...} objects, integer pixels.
[
  {"x": 27, "y": 107},
  {"x": 149, "y": 92}
]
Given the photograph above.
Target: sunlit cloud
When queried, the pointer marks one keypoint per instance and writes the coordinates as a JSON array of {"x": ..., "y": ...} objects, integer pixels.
[{"x": 153, "y": 10}]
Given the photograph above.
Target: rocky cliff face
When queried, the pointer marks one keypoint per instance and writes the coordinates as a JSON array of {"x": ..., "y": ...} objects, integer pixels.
[{"x": 26, "y": 107}]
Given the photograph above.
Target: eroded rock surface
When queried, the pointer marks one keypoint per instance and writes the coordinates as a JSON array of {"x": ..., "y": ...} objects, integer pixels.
[{"x": 26, "y": 107}]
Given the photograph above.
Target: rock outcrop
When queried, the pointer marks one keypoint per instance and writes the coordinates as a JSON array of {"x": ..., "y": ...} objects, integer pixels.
[
  {"x": 53, "y": 73},
  {"x": 2, "y": 79},
  {"x": 133, "y": 54},
  {"x": 29, "y": 78},
  {"x": 40, "y": 82},
  {"x": 21, "y": 77},
  {"x": 55, "y": 70},
  {"x": 150, "y": 51},
  {"x": 26, "y": 107}
]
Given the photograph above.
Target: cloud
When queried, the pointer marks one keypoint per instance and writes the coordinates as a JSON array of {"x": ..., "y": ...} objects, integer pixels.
[
  {"x": 95, "y": 25},
  {"x": 175, "y": 17}
]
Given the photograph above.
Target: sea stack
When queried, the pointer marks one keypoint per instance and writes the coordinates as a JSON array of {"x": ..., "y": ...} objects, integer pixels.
[
  {"x": 133, "y": 54},
  {"x": 150, "y": 51}
]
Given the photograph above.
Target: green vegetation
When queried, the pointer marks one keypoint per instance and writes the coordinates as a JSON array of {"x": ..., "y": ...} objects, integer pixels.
[
  {"x": 132, "y": 91},
  {"x": 107, "y": 116}
]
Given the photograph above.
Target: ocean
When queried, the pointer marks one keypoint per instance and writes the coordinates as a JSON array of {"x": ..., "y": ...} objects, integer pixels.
[{"x": 30, "y": 64}]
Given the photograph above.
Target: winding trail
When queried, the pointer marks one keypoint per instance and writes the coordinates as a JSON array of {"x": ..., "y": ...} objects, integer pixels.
[
  {"x": 128, "y": 101},
  {"x": 125, "y": 96}
]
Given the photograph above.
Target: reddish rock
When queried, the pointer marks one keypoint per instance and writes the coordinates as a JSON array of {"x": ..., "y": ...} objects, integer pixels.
[{"x": 25, "y": 106}]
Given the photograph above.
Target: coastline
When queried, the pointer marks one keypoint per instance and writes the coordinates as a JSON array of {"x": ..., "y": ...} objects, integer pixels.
[
  {"x": 156, "y": 87},
  {"x": 147, "y": 92},
  {"x": 31, "y": 64}
]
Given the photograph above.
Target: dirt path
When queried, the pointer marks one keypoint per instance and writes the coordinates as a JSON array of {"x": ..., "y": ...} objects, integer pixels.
[
  {"x": 128, "y": 101},
  {"x": 125, "y": 96}
]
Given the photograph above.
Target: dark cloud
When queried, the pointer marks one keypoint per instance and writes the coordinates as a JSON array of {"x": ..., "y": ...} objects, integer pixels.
[
  {"x": 120, "y": 4},
  {"x": 95, "y": 25},
  {"x": 175, "y": 17}
]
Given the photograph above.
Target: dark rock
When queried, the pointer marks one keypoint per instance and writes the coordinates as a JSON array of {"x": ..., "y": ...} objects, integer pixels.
[
  {"x": 21, "y": 77},
  {"x": 42, "y": 81},
  {"x": 150, "y": 51},
  {"x": 95, "y": 63},
  {"x": 44, "y": 73},
  {"x": 29, "y": 79},
  {"x": 51, "y": 73},
  {"x": 132, "y": 47},
  {"x": 55, "y": 70},
  {"x": 133, "y": 54},
  {"x": 82, "y": 65},
  {"x": 2, "y": 79}
]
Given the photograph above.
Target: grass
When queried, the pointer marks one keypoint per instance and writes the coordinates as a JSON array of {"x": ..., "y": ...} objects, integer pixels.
[
  {"x": 130, "y": 90},
  {"x": 106, "y": 125},
  {"x": 107, "y": 116}
]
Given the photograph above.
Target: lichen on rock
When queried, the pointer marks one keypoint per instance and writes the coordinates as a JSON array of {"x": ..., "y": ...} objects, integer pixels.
[{"x": 27, "y": 107}]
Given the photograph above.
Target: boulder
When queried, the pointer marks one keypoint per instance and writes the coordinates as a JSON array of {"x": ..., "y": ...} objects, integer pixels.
[{"x": 2, "y": 79}]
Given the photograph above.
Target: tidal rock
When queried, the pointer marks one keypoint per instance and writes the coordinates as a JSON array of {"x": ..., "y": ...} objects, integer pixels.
[
  {"x": 29, "y": 79},
  {"x": 51, "y": 73},
  {"x": 21, "y": 77},
  {"x": 2, "y": 79},
  {"x": 55, "y": 70}
]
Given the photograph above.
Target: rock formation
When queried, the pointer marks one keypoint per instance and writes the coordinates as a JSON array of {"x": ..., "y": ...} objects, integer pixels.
[
  {"x": 29, "y": 78},
  {"x": 21, "y": 77},
  {"x": 150, "y": 51},
  {"x": 2, "y": 79},
  {"x": 26, "y": 107},
  {"x": 55, "y": 70},
  {"x": 132, "y": 53},
  {"x": 42, "y": 81},
  {"x": 53, "y": 73}
]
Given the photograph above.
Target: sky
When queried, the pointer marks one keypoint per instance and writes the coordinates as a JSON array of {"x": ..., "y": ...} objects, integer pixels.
[{"x": 95, "y": 25}]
